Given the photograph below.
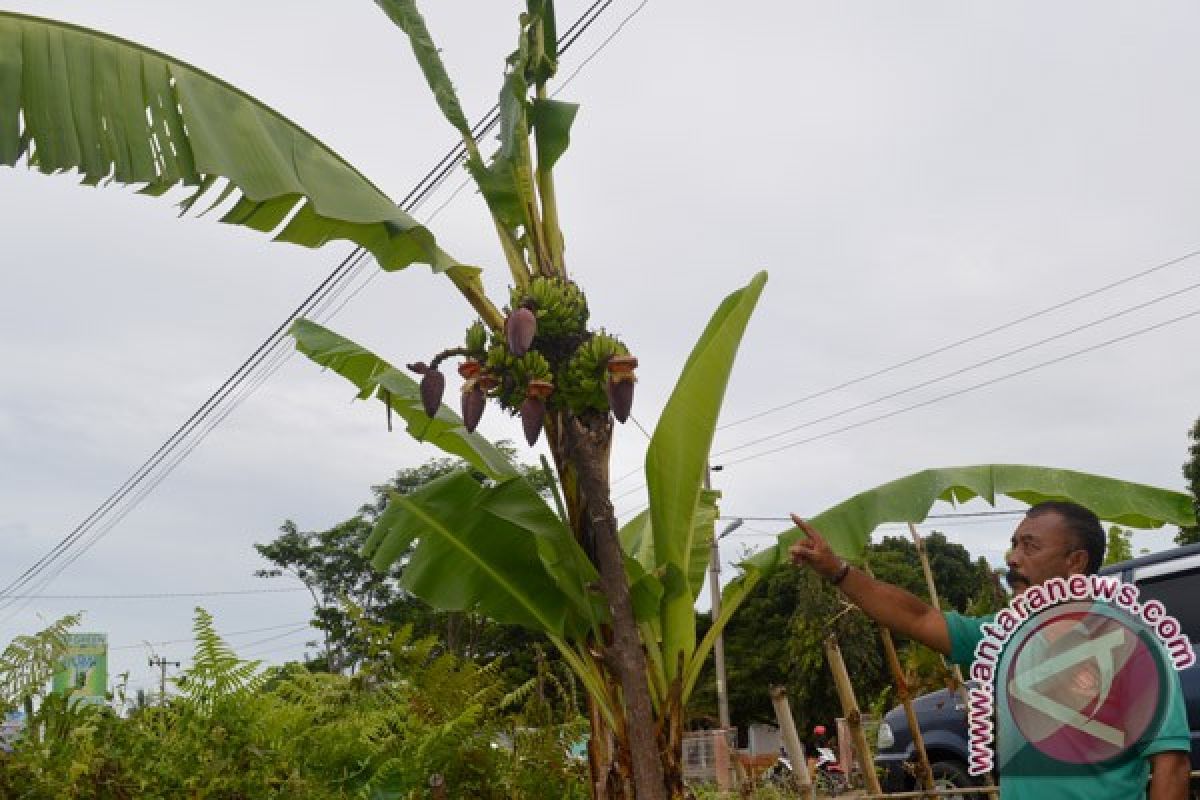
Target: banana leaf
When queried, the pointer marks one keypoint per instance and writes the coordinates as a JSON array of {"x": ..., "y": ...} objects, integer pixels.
[
  {"x": 496, "y": 550},
  {"x": 72, "y": 99},
  {"x": 407, "y": 17},
  {"x": 848, "y": 526},
  {"x": 637, "y": 540},
  {"x": 374, "y": 376},
  {"x": 676, "y": 461}
]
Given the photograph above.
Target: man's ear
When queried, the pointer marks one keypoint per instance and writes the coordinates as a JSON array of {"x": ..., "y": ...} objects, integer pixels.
[{"x": 1077, "y": 562}]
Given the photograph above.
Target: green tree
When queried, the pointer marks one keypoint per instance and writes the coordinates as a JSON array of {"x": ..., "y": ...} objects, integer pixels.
[
  {"x": 991, "y": 596},
  {"x": 337, "y": 574},
  {"x": 895, "y": 560},
  {"x": 1190, "y": 534},
  {"x": 617, "y": 605},
  {"x": 1120, "y": 545},
  {"x": 775, "y": 637}
]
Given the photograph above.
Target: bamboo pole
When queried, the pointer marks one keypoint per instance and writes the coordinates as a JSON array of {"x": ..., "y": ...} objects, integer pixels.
[
  {"x": 970, "y": 790},
  {"x": 845, "y": 690},
  {"x": 959, "y": 685},
  {"x": 791, "y": 739},
  {"x": 925, "y": 771}
]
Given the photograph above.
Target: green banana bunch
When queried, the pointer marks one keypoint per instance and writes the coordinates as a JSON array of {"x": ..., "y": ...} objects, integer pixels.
[
  {"x": 581, "y": 382},
  {"x": 560, "y": 308},
  {"x": 515, "y": 373}
]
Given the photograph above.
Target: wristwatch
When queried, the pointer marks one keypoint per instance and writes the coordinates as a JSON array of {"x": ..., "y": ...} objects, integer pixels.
[{"x": 841, "y": 574}]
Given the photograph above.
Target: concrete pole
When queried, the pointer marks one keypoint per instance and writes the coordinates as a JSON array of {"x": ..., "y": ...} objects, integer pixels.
[
  {"x": 714, "y": 589},
  {"x": 162, "y": 664}
]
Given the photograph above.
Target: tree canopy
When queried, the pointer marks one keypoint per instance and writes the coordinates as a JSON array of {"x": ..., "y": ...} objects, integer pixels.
[
  {"x": 344, "y": 585},
  {"x": 1120, "y": 545},
  {"x": 1191, "y": 473},
  {"x": 775, "y": 637}
]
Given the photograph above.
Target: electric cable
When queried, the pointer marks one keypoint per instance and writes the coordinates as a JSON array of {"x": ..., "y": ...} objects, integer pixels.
[
  {"x": 222, "y": 635},
  {"x": 252, "y": 645},
  {"x": 972, "y": 388},
  {"x": 967, "y": 340},
  {"x": 956, "y": 372},
  {"x": 952, "y": 345},
  {"x": 952, "y": 515},
  {"x": 1054, "y": 337},
  {"x": 152, "y": 595},
  {"x": 215, "y": 398}
]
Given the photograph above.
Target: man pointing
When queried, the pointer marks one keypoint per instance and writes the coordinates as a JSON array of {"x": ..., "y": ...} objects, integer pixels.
[{"x": 1054, "y": 540}]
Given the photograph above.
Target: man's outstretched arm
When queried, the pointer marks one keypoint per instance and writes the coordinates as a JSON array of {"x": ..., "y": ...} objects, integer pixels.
[{"x": 890, "y": 606}]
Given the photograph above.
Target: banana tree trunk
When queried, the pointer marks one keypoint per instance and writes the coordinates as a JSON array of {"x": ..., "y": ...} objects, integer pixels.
[
  {"x": 671, "y": 743},
  {"x": 586, "y": 441}
]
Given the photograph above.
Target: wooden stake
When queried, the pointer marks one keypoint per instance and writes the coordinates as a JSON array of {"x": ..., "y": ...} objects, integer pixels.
[
  {"x": 791, "y": 740},
  {"x": 951, "y": 793},
  {"x": 845, "y": 690},
  {"x": 957, "y": 684},
  {"x": 889, "y": 649}
]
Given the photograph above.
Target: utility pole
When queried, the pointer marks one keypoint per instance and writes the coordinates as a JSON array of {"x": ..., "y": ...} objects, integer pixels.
[
  {"x": 162, "y": 664},
  {"x": 714, "y": 590}
]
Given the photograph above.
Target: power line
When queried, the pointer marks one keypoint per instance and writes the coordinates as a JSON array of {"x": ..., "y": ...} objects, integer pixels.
[
  {"x": 181, "y": 432},
  {"x": 149, "y": 596},
  {"x": 948, "y": 395},
  {"x": 322, "y": 293},
  {"x": 458, "y": 153},
  {"x": 956, "y": 372},
  {"x": 945, "y": 348},
  {"x": 967, "y": 340},
  {"x": 952, "y": 515},
  {"x": 48, "y": 577},
  {"x": 277, "y": 649},
  {"x": 222, "y": 635},
  {"x": 967, "y": 389},
  {"x": 252, "y": 645},
  {"x": 890, "y": 526}
]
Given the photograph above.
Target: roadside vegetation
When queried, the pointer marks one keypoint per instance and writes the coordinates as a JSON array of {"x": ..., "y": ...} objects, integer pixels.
[{"x": 412, "y": 721}]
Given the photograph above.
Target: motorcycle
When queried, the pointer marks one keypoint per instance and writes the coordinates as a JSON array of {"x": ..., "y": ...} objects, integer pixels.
[{"x": 828, "y": 775}]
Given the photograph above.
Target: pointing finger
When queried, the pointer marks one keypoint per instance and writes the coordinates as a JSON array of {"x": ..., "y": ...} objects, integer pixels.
[{"x": 803, "y": 525}]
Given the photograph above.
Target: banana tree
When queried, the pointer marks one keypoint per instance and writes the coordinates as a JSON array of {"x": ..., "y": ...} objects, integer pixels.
[{"x": 617, "y": 603}]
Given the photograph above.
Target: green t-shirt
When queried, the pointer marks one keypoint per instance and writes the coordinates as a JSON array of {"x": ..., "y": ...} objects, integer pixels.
[{"x": 1125, "y": 780}]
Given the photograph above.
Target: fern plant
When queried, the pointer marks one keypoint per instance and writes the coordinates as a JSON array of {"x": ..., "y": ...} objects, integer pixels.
[
  {"x": 216, "y": 672},
  {"x": 28, "y": 663}
]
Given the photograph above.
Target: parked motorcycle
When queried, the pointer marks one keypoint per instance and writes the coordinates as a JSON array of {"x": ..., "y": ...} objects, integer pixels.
[{"x": 828, "y": 774}]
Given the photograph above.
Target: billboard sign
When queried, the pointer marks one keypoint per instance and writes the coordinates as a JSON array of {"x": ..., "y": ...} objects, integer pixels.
[{"x": 83, "y": 673}]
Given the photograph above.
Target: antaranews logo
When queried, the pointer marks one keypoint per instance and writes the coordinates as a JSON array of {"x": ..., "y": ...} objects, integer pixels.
[{"x": 1075, "y": 673}]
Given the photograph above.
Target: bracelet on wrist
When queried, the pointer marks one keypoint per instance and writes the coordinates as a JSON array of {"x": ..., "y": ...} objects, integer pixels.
[{"x": 841, "y": 574}]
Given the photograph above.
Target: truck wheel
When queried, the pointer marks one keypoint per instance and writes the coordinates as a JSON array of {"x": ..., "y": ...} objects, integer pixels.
[{"x": 952, "y": 775}]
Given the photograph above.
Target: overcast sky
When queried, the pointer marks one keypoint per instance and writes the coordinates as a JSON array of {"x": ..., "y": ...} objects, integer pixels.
[{"x": 909, "y": 174}]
